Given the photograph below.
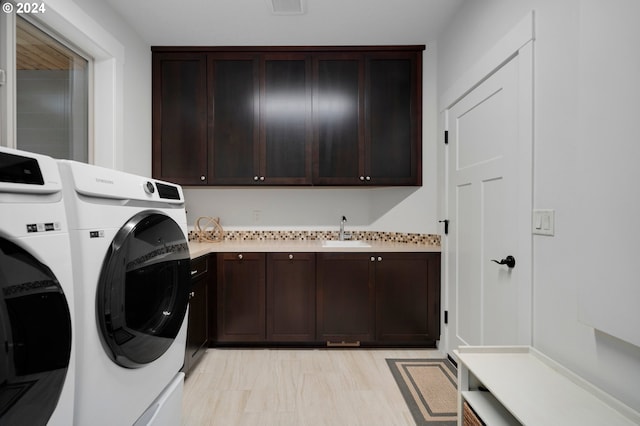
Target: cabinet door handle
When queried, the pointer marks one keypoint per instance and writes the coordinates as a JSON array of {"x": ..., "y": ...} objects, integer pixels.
[
  {"x": 240, "y": 256},
  {"x": 192, "y": 294},
  {"x": 379, "y": 258},
  {"x": 290, "y": 256},
  {"x": 194, "y": 272},
  {"x": 373, "y": 259},
  {"x": 362, "y": 178},
  {"x": 203, "y": 178},
  {"x": 261, "y": 178},
  {"x": 368, "y": 178}
]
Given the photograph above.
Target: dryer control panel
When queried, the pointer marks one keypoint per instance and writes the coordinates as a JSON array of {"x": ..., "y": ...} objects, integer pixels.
[
  {"x": 100, "y": 182},
  {"x": 28, "y": 173}
]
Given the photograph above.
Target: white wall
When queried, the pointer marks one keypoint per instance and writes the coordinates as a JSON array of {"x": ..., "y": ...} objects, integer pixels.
[
  {"x": 132, "y": 146},
  {"x": 585, "y": 147},
  {"x": 397, "y": 209}
]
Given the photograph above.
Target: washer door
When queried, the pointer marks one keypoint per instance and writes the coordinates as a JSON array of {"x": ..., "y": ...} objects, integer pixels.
[
  {"x": 35, "y": 334},
  {"x": 143, "y": 290}
]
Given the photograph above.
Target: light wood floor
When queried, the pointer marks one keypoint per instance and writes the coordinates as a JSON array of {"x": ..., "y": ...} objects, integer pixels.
[{"x": 296, "y": 387}]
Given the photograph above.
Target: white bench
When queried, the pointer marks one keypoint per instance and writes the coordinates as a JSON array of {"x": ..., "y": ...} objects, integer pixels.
[{"x": 512, "y": 385}]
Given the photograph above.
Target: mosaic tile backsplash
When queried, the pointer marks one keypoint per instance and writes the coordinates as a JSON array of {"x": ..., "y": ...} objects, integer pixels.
[{"x": 391, "y": 237}]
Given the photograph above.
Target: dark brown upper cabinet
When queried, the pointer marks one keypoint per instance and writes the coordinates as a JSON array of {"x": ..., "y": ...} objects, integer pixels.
[
  {"x": 288, "y": 115},
  {"x": 234, "y": 119},
  {"x": 260, "y": 126},
  {"x": 338, "y": 105},
  {"x": 368, "y": 118},
  {"x": 393, "y": 129},
  {"x": 180, "y": 122},
  {"x": 285, "y": 136}
]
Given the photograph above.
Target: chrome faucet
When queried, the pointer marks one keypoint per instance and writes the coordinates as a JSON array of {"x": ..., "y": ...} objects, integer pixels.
[{"x": 343, "y": 235}]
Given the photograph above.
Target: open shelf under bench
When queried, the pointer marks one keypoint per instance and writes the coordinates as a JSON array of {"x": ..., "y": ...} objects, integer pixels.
[{"x": 519, "y": 385}]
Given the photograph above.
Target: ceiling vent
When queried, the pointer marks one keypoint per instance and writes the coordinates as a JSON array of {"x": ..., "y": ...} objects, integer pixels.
[{"x": 286, "y": 7}]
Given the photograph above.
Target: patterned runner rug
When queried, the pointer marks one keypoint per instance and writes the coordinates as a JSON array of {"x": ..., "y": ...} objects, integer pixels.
[{"x": 429, "y": 389}]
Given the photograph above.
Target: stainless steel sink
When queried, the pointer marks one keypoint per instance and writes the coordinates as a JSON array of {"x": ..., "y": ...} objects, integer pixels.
[{"x": 345, "y": 244}]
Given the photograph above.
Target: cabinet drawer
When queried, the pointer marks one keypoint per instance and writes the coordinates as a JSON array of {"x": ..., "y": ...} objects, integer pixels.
[{"x": 199, "y": 266}]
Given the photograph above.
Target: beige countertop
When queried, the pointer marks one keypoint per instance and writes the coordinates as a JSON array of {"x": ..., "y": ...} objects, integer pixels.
[{"x": 200, "y": 249}]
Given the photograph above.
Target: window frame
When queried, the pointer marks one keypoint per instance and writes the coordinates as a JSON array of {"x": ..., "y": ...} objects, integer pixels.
[
  {"x": 8, "y": 83},
  {"x": 68, "y": 32},
  {"x": 28, "y": 19}
]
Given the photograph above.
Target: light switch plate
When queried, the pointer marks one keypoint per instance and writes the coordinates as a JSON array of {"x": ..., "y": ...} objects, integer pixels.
[{"x": 543, "y": 222}]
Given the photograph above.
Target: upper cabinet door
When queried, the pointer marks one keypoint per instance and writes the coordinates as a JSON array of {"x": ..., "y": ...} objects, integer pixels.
[
  {"x": 285, "y": 137},
  {"x": 234, "y": 125},
  {"x": 394, "y": 119},
  {"x": 367, "y": 118},
  {"x": 180, "y": 118},
  {"x": 338, "y": 102}
]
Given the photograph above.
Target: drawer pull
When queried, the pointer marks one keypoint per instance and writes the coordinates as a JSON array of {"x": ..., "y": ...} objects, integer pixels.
[
  {"x": 194, "y": 272},
  {"x": 240, "y": 256},
  {"x": 290, "y": 256}
]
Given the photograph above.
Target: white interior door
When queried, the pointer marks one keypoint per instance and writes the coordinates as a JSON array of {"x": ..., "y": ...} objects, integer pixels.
[{"x": 489, "y": 303}]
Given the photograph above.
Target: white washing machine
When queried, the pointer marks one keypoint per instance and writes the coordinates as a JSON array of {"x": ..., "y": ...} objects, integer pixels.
[
  {"x": 37, "y": 359},
  {"x": 132, "y": 275}
]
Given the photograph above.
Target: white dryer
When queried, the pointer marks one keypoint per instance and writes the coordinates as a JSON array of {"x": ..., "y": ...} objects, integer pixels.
[
  {"x": 132, "y": 275},
  {"x": 36, "y": 294}
]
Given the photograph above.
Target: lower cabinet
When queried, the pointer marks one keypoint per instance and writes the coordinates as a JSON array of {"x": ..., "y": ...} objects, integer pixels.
[
  {"x": 342, "y": 299},
  {"x": 379, "y": 298},
  {"x": 266, "y": 297},
  {"x": 291, "y": 297},
  {"x": 241, "y": 297},
  {"x": 346, "y": 298},
  {"x": 407, "y": 297},
  {"x": 198, "y": 321}
]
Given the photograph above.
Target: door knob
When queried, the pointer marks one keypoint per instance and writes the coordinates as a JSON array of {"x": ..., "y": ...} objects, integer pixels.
[{"x": 510, "y": 261}]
